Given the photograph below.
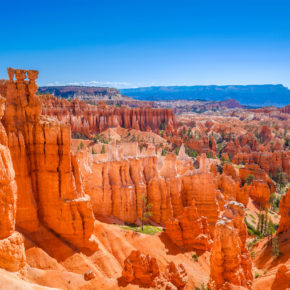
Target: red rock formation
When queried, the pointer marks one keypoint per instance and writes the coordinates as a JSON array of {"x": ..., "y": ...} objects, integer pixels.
[
  {"x": 47, "y": 180},
  {"x": 12, "y": 255},
  {"x": 91, "y": 119},
  {"x": 285, "y": 109},
  {"x": 89, "y": 275},
  {"x": 229, "y": 170},
  {"x": 282, "y": 278},
  {"x": 284, "y": 208},
  {"x": 144, "y": 271},
  {"x": 230, "y": 260},
  {"x": 189, "y": 231},
  {"x": 140, "y": 269},
  {"x": 268, "y": 161},
  {"x": 260, "y": 193},
  {"x": 201, "y": 188},
  {"x": 116, "y": 187},
  {"x": 261, "y": 187},
  {"x": 265, "y": 133},
  {"x": 8, "y": 188}
]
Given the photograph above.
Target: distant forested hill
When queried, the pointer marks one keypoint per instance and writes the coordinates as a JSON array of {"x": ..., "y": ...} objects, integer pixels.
[{"x": 252, "y": 95}]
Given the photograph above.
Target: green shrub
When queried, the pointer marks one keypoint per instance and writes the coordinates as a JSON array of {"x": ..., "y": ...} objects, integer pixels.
[
  {"x": 275, "y": 247},
  {"x": 249, "y": 179},
  {"x": 103, "y": 151},
  {"x": 100, "y": 138},
  {"x": 81, "y": 146}
]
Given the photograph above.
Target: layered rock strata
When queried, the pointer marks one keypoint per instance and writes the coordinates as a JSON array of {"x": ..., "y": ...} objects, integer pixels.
[
  {"x": 230, "y": 260},
  {"x": 261, "y": 187},
  {"x": 268, "y": 161},
  {"x": 284, "y": 208},
  {"x": 12, "y": 254},
  {"x": 91, "y": 119},
  {"x": 49, "y": 189},
  {"x": 189, "y": 231},
  {"x": 117, "y": 183}
]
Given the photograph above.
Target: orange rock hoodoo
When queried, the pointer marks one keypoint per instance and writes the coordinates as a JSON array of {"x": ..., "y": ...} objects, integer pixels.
[
  {"x": 144, "y": 271},
  {"x": 230, "y": 260},
  {"x": 49, "y": 191},
  {"x": 90, "y": 119},
  {"x": 268, "y": 161},
  {"x": 189, "y": 231},
  {"x": 12, "y": 255},
  {"x": 284, "y": 208},
  {"x": 261, "y": 187},
  {"x": 122, "y": 181}
]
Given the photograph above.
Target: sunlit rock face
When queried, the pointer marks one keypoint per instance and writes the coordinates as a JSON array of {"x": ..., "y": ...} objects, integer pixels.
[
  {"x": 89, "y": 119},
  {"x": 268, "y": 161},
  {"x": 189, "y": 231},
  {"x": 12, "y": 254},
  {"x": 230, "y": 260},
  {"x": 144, "y": 271},
  {"x": 49, "y": 189}
]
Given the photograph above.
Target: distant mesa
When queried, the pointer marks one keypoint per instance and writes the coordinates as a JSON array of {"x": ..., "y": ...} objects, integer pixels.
[
  {"x": 252, "y": 95},
  {"x": 84, "y": 93}
]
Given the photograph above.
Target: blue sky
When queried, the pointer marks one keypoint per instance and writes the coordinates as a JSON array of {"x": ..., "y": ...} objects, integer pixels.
[{"x": 153, "y": 42}]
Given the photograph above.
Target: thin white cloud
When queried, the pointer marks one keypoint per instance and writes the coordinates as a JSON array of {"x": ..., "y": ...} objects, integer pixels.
[{"x": 119, "y": 85}]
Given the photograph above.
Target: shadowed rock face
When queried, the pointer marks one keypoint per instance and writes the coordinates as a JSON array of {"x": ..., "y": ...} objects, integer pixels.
[
  {"x": 284, "y": 209},
  {"x": 47, "y": 180},
  {"x": 90, "y": 119}
]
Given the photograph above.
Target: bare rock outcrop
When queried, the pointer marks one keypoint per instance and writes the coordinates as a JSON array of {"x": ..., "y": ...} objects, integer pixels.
[
  {"x": 144, "y": 271},
  {"x": 12, "y": 253},
  {"x": 282, "y": 278},
  {"x": 92, "y": 119},
  {"x": 268, "y": 161},
  {"x": 261, "y": 187},
  {"x": 230, "y": 260},
  {"x": 189, "y": 231},
  {"x": 49, "y": 191},
  {"x": 284, "y": 208}
]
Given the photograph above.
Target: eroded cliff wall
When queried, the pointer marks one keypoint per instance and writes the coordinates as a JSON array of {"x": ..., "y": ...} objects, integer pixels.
[
  {"x": 91, "y": 119},
  {"x": 49, "y": 191}
]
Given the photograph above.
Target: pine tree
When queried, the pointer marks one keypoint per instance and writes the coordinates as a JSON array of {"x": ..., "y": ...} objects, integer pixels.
[
  {"x": 275, "y": 247},
  {"x": 262, "y": 224},
  {"x": 103, "y": 151},
  {"x": 259, "y": 223},
  {"x": 146, "y": 213}
]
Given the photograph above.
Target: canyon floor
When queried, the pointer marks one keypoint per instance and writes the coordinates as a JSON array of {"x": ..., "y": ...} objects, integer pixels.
[{"x": 125, "y": 194}]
